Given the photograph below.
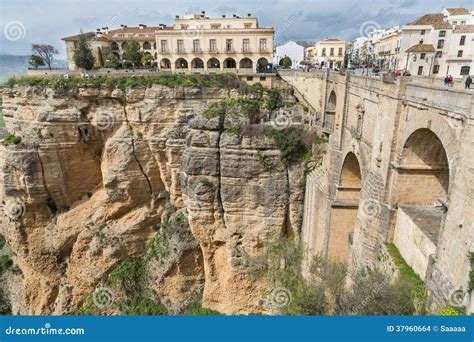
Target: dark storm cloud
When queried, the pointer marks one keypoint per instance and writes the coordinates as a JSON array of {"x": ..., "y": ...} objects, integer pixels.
[{"x": 47, "y": 21}]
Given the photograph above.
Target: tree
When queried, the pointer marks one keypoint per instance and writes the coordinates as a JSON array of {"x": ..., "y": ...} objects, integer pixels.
[
  {"x": 46, "y": 52},
  {"x": 112, "y": 61},
  {"x": 36, "y": 61},
  {"x": 286, "y": 62},
  {"x": 147, "y": 59},
  {"x": 83, "y": 57},
  {"x": 132, "y": 54}
]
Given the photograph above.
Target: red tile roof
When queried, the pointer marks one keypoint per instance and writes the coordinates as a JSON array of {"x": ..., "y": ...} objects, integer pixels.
[
  {"x": 458, "y": 11},
  {"x": 421, "y": 48},
  {"x": 433, "y": 19},
  {"x": 464, "y": 29}
]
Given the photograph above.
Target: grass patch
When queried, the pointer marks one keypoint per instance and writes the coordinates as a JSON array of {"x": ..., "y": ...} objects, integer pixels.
[
  {"x": 11, "y": 139},
  {"x": 226, "y": 81},
  {"x": 143, "y": 307},
  {"x": 196, "y": 309},
  {"x": 5, "y": 263},
  {"x": 291, "y": 145}
]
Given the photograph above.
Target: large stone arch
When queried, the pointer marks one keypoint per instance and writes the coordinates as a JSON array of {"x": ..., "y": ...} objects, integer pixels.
[
  {"x": 422, "y": 188},
  {"x": 165, "y": 63},
  {"x": 229, "y": 63},
  {"x": 246, "y": 63},
  {"x": 197, "y": 63},
  {"x": 344, "y": 209}
]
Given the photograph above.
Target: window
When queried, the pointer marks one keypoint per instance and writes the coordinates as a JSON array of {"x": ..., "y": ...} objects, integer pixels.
[
  {"x": 212, "y": 45},
  {"x": 423, "y": 32},
  {"x": 249, "y": 78},
  {"x": 465, "y": 70},
  {"x": 196, "y": 45},
  {"x": 246, "y": 45},
  {"x": 463, "y": 23},
  {"x": 184, "y": 27},
  {"x": 421, "y": 41},
  {"x": 455, "y": 23},
  {"x": 146, "y": 46},
  {"x": 442, "y": 33},
  {"x": 164, "y": 46},
  {"x": 323, "y": 53},
  {"x": 462, "y": 40},
  {"x": 263, "y": 78},
  {"x": 229, "y": 45},
  {"x": 435, "y": 69},
  {"x": 263, "y": 45},
  {"x": 215, "y": 26},
  {"x": 420, "y": 70},
  {"x": 440, "y": 43},
  {"x": 332, "y": 52},
  {"x": 248, "y": 25},
  {"x": 423, "y": 55},
  {"x": 460, "y": 53},
  {"x": 439, "y": 54},
  {"x": 340, "y": 51},
  {"x": 180, "y": 45}
]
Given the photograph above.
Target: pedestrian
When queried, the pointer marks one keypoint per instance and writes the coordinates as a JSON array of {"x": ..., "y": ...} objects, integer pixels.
[
  {"x": 446, "y": 81},
  {"x": 450, "y": 80},
  {"x": 468, "y": 82}
]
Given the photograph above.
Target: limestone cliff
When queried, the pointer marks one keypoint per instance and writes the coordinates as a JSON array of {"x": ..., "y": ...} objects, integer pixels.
[{"x": 98, "y": 169}]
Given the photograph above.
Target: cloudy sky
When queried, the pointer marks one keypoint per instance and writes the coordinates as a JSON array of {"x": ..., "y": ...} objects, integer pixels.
[{"x": 45, "y": 21}]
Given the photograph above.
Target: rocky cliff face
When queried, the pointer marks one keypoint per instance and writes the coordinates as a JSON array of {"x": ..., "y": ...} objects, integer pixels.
[{"x": 99, "y": 169}]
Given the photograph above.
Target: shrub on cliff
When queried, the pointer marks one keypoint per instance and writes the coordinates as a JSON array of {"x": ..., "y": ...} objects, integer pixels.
[
  {"x": 11, "y": 139},
  {"x": 323, "y": 289}
]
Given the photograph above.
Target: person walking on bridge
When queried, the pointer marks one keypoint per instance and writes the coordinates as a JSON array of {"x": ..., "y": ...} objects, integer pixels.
[{"x": 468, "y": 82}]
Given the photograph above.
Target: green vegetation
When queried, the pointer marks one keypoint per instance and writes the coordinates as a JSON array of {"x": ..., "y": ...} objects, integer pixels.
[
  {"x": 132, "y": 55},
  {"x": 264, "y": 160},
  {"x": 100, "y": 57},
  {"x": 130, "y": 277},
  {"x": 227, "y": 81},
  {"x": 471, "y": 272},
  {"x": 36, "y": 61},
  {"x": 196, "y": 309},
  {"x": 143, "y": 307},
  {"x": 83, "y": 56},
  {"x": 323, "y": 290},
  {"x": 453, "y": 311},
  {"x": 112, "y": 61},
  {"x": 290, "y": 143},
  {"x": 241, "y": 105},
  {"x": 147, "y": 59},
  {"x": 285, "y": 62},
  {"x": 5, "y": 263},
  {"x": 11, "y": 139}
]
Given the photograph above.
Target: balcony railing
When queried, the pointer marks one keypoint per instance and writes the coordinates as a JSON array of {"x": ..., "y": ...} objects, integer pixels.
[
  {"x": 263, "y": 50},
  {"x": 212, "y": 50},
  {"x": 164, "y": 50},
  {"x": 197, "y": 50},
  {"x": 230, "y": 50},
  {"x": 180, "y": 50}
]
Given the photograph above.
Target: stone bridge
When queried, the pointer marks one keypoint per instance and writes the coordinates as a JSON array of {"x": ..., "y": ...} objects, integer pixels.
[{"x": 399, "y": 169}]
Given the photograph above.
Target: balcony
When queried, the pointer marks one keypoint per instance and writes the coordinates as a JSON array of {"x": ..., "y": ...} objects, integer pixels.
[
  {"x": 181, "y": 51},
  {"x": 212, "y": 50},
  {"x": 263, "y": 50},
  {"x": 464, "y": 57},
  {"x": 197, "y": 50},
  {"x": 164, "y": 51},
  {"x": 230, "y": 50}
]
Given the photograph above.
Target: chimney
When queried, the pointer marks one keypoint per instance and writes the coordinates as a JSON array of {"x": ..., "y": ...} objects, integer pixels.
[
  {"x": 223, "y": 16},
  {"x": 141, "y": 26},
  {"x": 249, "y": 14},
  {"x": 234, "y": 15},
  {"x": 105, "y": 30},
  {"x": 203, "y": 12},
  {"x": 177, "y": 17}
]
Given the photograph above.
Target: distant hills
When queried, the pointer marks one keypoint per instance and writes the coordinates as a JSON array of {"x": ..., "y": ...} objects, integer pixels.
[{"x": 11, "y": 65}]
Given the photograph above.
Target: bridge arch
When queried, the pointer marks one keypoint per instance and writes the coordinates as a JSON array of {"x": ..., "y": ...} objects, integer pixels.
[
  {"x": 330, "y": 112},
  {"x": 344, "y": 209}
]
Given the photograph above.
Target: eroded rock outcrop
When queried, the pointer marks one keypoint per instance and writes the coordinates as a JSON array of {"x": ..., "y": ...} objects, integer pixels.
[{"x": 98, "y": 169}]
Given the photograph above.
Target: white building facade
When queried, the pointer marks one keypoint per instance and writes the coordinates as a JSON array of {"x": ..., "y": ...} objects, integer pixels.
[{"x": 291, "y": 50}]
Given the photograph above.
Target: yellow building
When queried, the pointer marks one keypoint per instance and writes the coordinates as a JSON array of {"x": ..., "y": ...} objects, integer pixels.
[
  {"x": 330, "y": 53},
  {"x": 195, "y": 42},
  {"x": 387, "y": 49}
]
